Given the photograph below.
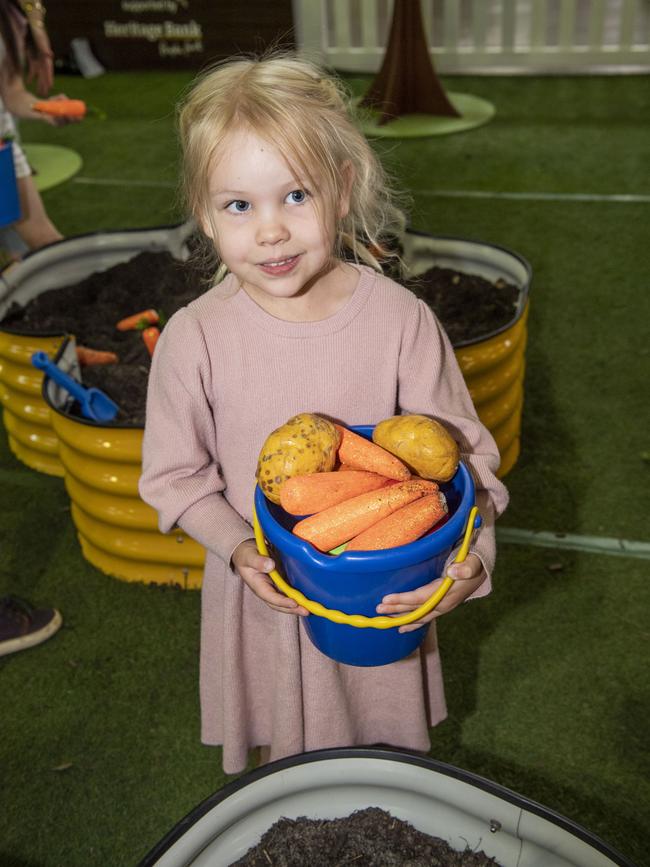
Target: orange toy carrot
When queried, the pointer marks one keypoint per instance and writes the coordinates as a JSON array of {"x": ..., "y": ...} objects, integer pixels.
[
  {"x": 403, "y": 526},
  {"x": 73, "y": 108},
  {"x": 306, "y": 494},
  {"x": 138, "y": 320},
  {"x": 361, "y": 454},
  {"x": 333, "y": 526},
  {"x": 150, "y": 337},
  {"x": 88, "y": 356}
]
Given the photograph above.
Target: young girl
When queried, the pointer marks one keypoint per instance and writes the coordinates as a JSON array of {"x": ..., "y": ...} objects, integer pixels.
[{"x": 292, "y": 197}]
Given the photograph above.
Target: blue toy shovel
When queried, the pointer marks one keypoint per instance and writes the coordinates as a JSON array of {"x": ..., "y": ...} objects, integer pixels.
[{"x": 94, "y": 403}]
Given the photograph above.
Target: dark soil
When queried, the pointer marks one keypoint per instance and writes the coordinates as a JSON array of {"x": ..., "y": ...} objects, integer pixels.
[
  {"x": 367, "y": 838},
  {"x": 468, "y": 306}
]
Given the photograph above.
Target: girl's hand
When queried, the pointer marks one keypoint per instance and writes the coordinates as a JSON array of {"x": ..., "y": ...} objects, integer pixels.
[
  {"x": 54, "y": 120},
  {"x": 252, "y": 569},
  {"x": 469, "y": 574}
]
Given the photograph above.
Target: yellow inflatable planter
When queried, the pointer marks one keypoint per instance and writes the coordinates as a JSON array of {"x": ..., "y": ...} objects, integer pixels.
[
  {"x": 26, "y": 417},
  {"x": 493, "y": 366},
  {"x": 117, "y": 530},
  {"x": 25, "y": 414}
]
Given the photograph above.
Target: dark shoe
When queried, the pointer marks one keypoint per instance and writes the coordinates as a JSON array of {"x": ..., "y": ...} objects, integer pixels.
[{"x": 22, "y": 626}]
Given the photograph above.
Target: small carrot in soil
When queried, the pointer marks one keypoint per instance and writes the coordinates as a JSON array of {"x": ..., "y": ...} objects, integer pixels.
[
  {"x": 361, "y": 454},
  {"x": 378, "y": 252},
  {"x": 88, "y": 356},
  {"x": 73, "y": 108},
  {"x": 150, "y": 336},
  {"x": 138, "y": 320},
  {"x": 329, "y": 528},
  {"x": 306, "y": 494},
  {"x": 403, "y": 526}
]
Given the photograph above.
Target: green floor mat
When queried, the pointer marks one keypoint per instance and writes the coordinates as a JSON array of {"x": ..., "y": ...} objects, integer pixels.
[
  {"x": 473, "y": 111},
  {"x": 52, "y": 165}
]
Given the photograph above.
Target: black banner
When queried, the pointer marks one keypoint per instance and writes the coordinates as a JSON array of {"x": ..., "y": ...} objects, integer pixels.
[{"x": 167, "y": 34}]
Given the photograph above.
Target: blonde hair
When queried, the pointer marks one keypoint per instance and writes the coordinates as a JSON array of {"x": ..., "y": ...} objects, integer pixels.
[{"x": 304, "y": 113}]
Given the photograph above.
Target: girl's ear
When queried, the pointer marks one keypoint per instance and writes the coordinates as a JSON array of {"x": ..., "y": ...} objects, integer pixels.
[{"x": 348, "y": 174}]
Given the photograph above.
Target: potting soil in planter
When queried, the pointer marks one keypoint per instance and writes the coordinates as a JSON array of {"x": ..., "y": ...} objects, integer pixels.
[
  {"x": 467, "y": 305},
  {"x": 91, "y": 308},
  {"x": 368, "y": 838}
]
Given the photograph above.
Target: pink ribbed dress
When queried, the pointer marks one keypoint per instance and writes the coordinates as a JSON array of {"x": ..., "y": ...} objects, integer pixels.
[{"x": 225, "y": 374}]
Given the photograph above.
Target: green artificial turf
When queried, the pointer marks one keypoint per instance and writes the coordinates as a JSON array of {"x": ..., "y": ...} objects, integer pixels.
[{"x": 546, "y": 679}]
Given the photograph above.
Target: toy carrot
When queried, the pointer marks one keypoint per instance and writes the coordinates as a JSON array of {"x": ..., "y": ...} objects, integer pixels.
[
  {"x": 329, "y": 528},
  {"x": 150, "y": 336},
  {"x": 138, "y": 320},
  {"x": 88, "y": 356},
  {"x": 403, "y": 526},
  {"x": 306, "y": 494},
  {"x": 72, "y": 108},
  {"x": 361, "y": 454}
]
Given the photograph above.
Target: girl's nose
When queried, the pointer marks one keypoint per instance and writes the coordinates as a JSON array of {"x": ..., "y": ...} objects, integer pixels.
[{"x": 271, "y": 229}]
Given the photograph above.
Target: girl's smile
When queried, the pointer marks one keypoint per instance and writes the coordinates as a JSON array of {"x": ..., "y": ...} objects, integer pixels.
[
  {"x": 276, "y": 267},
  {"x": 274, "y": 233}
]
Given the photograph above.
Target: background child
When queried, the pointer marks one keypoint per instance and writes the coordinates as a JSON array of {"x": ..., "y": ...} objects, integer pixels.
[
  {"x": 23, "y": 37},
  {"x": 288, "y": 191}
]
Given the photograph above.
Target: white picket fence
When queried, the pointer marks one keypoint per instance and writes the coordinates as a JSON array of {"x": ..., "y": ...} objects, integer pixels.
[{"x": 485, "y": 36}]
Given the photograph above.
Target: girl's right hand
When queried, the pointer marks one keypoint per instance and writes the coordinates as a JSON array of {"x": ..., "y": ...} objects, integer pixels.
[
  {"x": 52, "y": 120},
  {"x": 253, "y": 569}
]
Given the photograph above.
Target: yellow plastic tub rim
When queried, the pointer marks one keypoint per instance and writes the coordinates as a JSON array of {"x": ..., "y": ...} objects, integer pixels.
[
  {"x": 117, "y": 530},
  {"x": 494, "y": 365}
]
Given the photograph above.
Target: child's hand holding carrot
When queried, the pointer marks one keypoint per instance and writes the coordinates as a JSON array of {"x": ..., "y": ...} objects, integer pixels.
[
  {"x": 253, "y": 569},
  {"x": 59, "y": 110},
  {"x": 469, "y": 576}
]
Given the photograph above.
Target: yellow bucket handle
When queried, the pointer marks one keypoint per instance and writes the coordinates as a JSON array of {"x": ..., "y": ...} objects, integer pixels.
[{"x": 360, "y": 620}]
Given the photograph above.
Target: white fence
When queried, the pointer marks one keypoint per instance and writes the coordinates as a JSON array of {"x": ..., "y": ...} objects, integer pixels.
[{"x": 485, "y": 36}]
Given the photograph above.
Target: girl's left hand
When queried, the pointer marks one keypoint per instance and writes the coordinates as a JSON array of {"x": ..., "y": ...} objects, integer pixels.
[{"x": 469, "y": 576}]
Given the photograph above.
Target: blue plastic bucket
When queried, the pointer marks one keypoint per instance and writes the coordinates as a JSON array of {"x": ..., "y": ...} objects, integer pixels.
[
  {"x": 9, "y": 201},
  {"x": 355, "y": 583}
]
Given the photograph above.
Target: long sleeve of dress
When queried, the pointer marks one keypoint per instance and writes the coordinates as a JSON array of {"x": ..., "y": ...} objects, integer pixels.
[
  {"x": 181, "y": 476},
  {"x": 430, "y": 382}
]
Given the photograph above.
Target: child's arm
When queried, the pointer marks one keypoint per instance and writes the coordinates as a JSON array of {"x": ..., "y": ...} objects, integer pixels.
[
  {"x": 19, "y": 101},
  {"x": 253, "y": 570},
  {"x": 40, "y": 56},
  {"x": 180, "y": 467},
  {"x": 470, "y": 574},
  {"x": 442, "y": 394},
  {"x": 180, "y": 477}
]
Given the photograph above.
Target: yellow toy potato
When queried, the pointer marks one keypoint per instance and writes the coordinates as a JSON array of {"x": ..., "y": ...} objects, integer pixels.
[
  {"x": 306, "y": 443},
  {"x": 420, "y": 442}
]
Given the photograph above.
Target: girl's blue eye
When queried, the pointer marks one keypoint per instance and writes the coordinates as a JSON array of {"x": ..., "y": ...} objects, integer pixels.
[
  {"x": 239, "y": 206},
  {"x": 297, "y": 197}
]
